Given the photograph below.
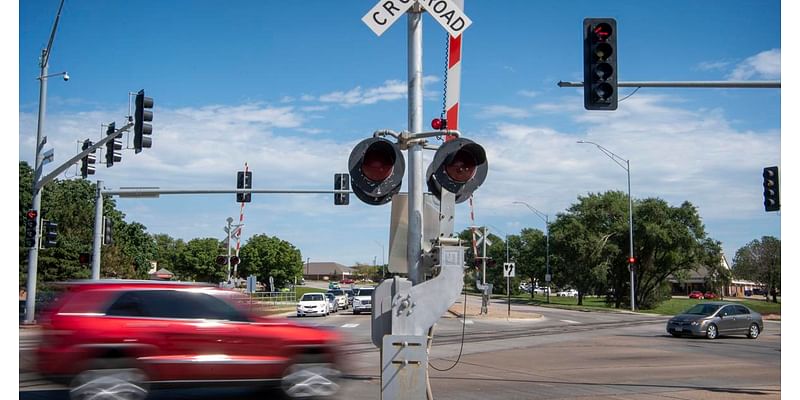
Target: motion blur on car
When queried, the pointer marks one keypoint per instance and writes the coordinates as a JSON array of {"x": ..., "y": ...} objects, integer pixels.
[
  {"x": 120, "y": 339},
  {"x": 711, "y": 320}
]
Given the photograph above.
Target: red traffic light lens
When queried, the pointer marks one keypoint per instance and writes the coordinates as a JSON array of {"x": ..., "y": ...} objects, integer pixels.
[
  {"x": 31, "y": 214},
  {"x": 602, "y": 31},
  {"x": 631, "y": 260},
  {"x": 462, "y": 166},
  {"x": 439, "y": 124},
  {"x": 378, "y": 161}
]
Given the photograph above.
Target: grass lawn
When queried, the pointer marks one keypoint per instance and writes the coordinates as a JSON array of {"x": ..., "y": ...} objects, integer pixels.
[{"x": 669, "y": 307}]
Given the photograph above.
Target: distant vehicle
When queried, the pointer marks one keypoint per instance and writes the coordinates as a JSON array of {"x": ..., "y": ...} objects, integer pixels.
[
  {"x": 696, "y": 295},
  {"x": 714, "y": 319},
  {"x": 350, "y": 294},
  {"x": 758, "y": 292},
  {"x": 333, "y": 303},
  {"x": 121, "y": 339},
  {"x": 347, "y": 281},
  {"x": 541, "y": 290},
  {"x": 748, "y": 292},
  {"x": 341, "y": 298},
  {"x": 567, "y": 293},
  {"x": 362, "y": 300},
  {"x": 525, "y": 286},
  {"x": 710, "y": 296},
  {"x": 333, "y": 285},
  {"x": 313, "y": 304}
]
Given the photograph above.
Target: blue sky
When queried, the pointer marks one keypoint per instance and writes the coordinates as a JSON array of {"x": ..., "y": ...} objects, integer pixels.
[{"x": 291, "y": 87}]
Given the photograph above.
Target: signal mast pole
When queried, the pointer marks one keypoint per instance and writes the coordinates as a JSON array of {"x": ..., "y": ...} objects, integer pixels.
[{"x": 415, "y": 191}]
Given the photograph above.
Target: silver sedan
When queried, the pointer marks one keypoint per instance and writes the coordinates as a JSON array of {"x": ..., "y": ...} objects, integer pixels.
[{"x": 711, "y": 320}]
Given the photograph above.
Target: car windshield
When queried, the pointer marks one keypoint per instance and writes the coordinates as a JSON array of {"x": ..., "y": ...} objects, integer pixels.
[
  {"x": 703, "y": 309},
  {"x": 312, "y": 297},
  {"x": 364, "y": 292},
  {"x": 337, "y": 292}
]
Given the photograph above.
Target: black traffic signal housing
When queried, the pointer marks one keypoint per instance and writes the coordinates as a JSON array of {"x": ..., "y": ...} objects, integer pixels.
[
  {"x": 221, "y": 260},
  {"x": 108, "y": 231},
  {"x": 113, "y": 146},
  {"x": 459, "y": 166},
  {"x": 244, "y": 180},
  {"x": 30, "y": 228},
  {"x": 772, "y": 194},
  {"x": 50, "y": 234},
  {"x": 376, "y": 168},
  {"x": 341, "y": 182},
  {"x": 85, "y": 258},
  {"x": 600, "y": 64},
  {"x": 88, "y": 161},
  {"x": 141, "y": 129}
]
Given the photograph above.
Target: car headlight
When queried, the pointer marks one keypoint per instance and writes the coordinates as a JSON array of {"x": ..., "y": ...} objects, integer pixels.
[{"x": 695, "y": 323}]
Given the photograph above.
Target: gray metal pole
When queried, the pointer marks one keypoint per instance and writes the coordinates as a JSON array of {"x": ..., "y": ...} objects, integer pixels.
[
  {"x": 690, "y": 84},
  {"x": 33, "y": 252},
  {"x": 415, "y": 171},
  {"x": 97, "y": 241},
  {"x": 547, "y": 252},
  {"x": 630, "y": 226},
  {"x": 229, "y": 220},
  {"x": 483, "y": 274}
]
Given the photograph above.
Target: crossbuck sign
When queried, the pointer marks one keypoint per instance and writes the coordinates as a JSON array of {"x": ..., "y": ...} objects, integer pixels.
[{"x": 386, "y": 12}]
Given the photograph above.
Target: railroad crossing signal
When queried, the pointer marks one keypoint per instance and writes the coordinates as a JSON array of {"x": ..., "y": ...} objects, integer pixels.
[
  {"x": 772, "y": 195},
  {"x": 459, "y": 166},
  {"x": 600, "y": 64},
  {"x": 141, "y": 129},
  {"x": 244, "y": 180},
  {"x": 376, "y": 170}
]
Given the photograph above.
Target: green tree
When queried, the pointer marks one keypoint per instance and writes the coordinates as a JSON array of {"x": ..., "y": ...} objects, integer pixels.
[
  {"x": 196, "y": 261},
  {"x": 581, "y": 255},
  {"x": 266, "y": 256},
  {"x": 532, "y": 259},
  {"x": 166, "y": 250},
  {"x": 760, "y": 261}
]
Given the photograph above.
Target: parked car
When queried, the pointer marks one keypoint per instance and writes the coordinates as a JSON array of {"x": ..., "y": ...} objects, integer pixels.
[
  {"x": 362, "y": 300},
  {"x": 313, "y": 304},
  {"x": 347, "y": 281},
  {"x": 567, "y": 293},
  {"x": 333, "y": 285},
  {"x": 541, "y": 290},
  {"x": 341, "y": 298},
  {"x": 333, "y": 303},
  {"x": 710, "y": 296},
  {"x": 748, "y": 292},
  {"x": 714, "y": 319},
  {"x": 696, "y": 295},
  {"x": 121, "y": 339}
]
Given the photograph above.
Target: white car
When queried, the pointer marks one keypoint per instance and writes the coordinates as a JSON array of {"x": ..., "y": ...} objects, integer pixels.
[
  {"x": 362, "y": 301},
  {"x": 313, "y": 304},
  {"x": 341, "y": 298},
  {"x": 541, "y": 290},
  {"x": 567, "y": 293}
]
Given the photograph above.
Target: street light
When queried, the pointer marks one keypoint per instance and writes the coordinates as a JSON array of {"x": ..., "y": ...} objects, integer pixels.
[
  {"x": 546, "y": 219},
  {"x": 383, "y": 260},
  {"x": 627, "y": 167}
]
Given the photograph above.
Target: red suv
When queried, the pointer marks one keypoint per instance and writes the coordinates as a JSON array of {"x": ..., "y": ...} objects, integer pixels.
[{"x": 120, "y": 338}]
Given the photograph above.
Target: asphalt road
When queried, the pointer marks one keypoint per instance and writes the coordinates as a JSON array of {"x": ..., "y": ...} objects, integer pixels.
[{"x": 562, "y": 355}]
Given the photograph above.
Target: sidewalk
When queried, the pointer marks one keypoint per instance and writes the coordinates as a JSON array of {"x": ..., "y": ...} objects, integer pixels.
[{"x": 498, "y": 309}]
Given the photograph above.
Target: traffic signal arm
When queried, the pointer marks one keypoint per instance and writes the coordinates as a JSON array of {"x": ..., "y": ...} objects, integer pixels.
[{"x": 56, "y": 172}]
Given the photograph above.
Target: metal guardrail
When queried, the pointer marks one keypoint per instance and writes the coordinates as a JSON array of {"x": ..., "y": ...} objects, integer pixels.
[{"x": 273, "y": 299}]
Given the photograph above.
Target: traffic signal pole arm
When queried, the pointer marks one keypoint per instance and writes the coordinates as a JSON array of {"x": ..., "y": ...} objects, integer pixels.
[
  {"x": 690, "y": 84},
  {"x": 100, "y": 143}
]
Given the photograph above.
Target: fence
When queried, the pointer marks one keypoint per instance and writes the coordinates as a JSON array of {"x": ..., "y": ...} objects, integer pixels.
[{"x": 266, "y": 302}]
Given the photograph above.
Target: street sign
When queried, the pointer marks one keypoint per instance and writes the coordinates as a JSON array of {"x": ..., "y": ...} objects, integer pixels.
[
  {"x": 385, "y": 13},
  {"x": 548, "y": 278},
  {"x": 446, "y": 13},
  {"x": 509, "y": 270}
]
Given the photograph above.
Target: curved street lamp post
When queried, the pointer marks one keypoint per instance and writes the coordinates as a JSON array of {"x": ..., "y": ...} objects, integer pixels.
[{"x": 627, "y": 167}]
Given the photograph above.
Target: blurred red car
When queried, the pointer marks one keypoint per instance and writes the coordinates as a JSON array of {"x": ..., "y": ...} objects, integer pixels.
[
  {"x": 347, "y": 281},
  {"x": 696, "y": 295},
  {"x": 120, "y": 338},
  {"x": 710, "y": 296}
]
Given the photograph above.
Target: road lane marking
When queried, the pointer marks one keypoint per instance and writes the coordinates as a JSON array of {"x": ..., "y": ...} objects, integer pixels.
[
  {"x": 349, "y": 325},
  {"x": 570, "y": 321}
]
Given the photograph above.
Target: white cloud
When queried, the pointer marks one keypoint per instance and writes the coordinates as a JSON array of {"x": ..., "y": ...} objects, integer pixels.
[
  {"x": 390, "y": 90},
  {"x": 764, "y": 65},
  {"x": 713, "y": 65},
  {"x": 528, "y": 93}
]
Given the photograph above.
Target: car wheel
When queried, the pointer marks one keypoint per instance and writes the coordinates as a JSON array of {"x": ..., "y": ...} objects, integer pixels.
[
  {"x": 355, "y": 312},
  {"x": 299, "y": 315},
  {"x": 711, "y": 332},
  {"x": 105, "y": 380},
  {"x": 675, "y": 334},
  {"x": 754, "y": 331},
  {"x": 310, "y": 380}
]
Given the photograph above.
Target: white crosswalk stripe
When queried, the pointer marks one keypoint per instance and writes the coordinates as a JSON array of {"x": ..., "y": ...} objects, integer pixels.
[{"x": 570, "y": 321}]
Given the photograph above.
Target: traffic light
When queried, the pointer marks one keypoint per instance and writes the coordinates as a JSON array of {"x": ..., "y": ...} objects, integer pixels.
[
  {"x": 341, "y": 182},
  {"x": 376, "y": 170},
  {"x": 50, "y": 229},
  {"x": 244, "y": 180},
  {"x": 113, "y": 146},
  {"x": 30, "y": 228},
  {"x": 141, "y": 129},
  {"x": 772, "y": 195},
  {"x": 600, "y": 64},
  {"x": 108, "y": 231},
  {"x": 87, "y": 162},
  {"x": 459, "y": 166}
]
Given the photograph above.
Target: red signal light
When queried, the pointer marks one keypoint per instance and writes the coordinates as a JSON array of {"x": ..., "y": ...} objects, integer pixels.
[
  {"x": 439, "y": 124},
  {"x": 602, "y": 31},
  {"x": 631, "y": 260},
  {"x": 378, "y": 161},
  {"x": 462, "y": 167},
  {"x": 31, "y": 214}
]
